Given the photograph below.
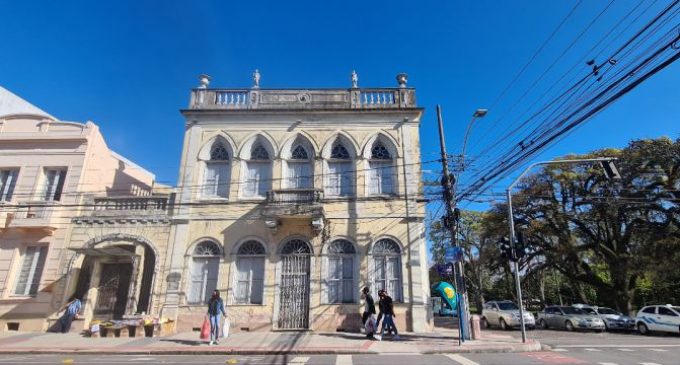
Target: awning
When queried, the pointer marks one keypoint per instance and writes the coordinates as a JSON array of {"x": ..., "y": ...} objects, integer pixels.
[{"x": 111, "y": 251}]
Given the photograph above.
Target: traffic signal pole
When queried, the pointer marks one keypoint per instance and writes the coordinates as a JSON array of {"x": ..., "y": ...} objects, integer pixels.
[
  {"x": 451, "y": 223},
  {"x": 610, "y": 171},
  {"x": 518, "y": 285}
]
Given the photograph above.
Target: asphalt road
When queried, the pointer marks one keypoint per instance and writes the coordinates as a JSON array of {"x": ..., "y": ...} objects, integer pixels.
[{"x": 567, "y": 348}]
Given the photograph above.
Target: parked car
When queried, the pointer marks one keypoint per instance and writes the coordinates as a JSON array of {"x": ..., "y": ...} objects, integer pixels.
[
  {"x": 505, "y": 314},
  {"x": 613, "y": 320},
  {"x": 569, "y": 318},
  {"x": 658, "y": 318}
]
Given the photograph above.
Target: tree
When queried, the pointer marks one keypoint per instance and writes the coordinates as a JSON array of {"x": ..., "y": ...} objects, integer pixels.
[{"x": 598, "y": 232}]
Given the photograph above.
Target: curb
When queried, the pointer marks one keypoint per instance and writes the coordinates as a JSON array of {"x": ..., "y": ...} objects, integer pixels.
[{"x": 530, "y": 347}]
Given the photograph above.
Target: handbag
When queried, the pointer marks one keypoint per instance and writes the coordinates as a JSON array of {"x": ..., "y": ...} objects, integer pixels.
[
  {"x": 225, "y": 327},
  {"x": 205, "y": 329}
]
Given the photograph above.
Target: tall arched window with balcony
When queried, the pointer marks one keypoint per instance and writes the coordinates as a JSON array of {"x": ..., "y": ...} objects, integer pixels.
[
  {"x": 300, "y": 168},
  {"x": 340, "y": 177},
  {"x": 250, "y": 273},
  {"x": 381, "y": 173},
  {"x": 258, "y": 171},
  {"x": 204, "y": 267},
  {"x": 217, "y": 172}
]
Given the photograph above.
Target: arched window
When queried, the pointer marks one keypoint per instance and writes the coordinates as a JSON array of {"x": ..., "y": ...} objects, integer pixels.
[
  {"x": 217, "y": 172},
  {"x": 381, "y": 170},
  {"x": 300, "y": 169},
  {"x": 250, "y": 273},
  {"x": 205, "y": 262},
  {"x": 387, "y": 267},
  {"x": 340, "y": 179},
  {"x": 259, "y": 171},
  {"x": 340, "y": 276}
]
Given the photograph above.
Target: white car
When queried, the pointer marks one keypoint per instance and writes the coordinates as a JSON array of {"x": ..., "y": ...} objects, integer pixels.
[
  {"x": 658, "y": 318},
  {"x": 504, "y": 314}
]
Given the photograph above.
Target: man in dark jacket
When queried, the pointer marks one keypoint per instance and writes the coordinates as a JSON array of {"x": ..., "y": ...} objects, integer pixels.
[
  {"x": 369, "y": 309},
  {"x": 387, "y": 311}
]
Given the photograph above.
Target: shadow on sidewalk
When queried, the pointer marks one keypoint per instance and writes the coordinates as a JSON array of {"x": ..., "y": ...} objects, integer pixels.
[{"x": 184, "y": 342}]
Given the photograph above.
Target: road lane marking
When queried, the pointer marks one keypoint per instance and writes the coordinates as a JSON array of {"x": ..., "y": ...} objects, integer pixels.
[
  {"x": 460, "y": 359},
  {"x": 626, "y": 350},
  {"x": 299, "y": 360},
  {"x": 607, "y": 363},
  {"x": 649, "y": 363},
  {"x": 592, "y": 350},
  {"x": 142, "y": 359},
  {"x": 560, "y": 350},
  {"x": 658, "y": 350},
  {"x": 343, "y": 360}
]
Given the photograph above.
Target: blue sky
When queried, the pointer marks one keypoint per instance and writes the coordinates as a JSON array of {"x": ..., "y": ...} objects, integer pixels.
[{"x": 129, "y": 65}]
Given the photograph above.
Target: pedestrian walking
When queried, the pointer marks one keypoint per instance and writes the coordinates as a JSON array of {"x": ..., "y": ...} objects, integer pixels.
[
  {"x": 369, "y": 311},
  {"x": 72, "y": 308},
  {"x": 215, "y": 311},
  {"x": 387, "y": 309}
]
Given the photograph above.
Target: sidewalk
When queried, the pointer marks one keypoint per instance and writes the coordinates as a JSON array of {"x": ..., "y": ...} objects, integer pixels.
[{"x": 259, "y": 343}]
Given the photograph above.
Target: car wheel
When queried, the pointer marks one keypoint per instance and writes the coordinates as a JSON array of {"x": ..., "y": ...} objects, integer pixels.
[
  {"x": 642, "y": 328},
  {"x": 485, "y": 323},
  {"x": 504, "y": 326},
  {"x": 543, "y": 324},
  {"x": 569, "y": 326}
]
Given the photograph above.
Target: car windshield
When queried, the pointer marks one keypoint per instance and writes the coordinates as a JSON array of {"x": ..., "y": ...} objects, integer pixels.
[
  {"x": 676, "y": 309},
  {"x": 571, "y": 310},
  {"x": 507, "y": 306},
  {"x": 588, "y": 310},
  {"x": 607, "y": 311}
]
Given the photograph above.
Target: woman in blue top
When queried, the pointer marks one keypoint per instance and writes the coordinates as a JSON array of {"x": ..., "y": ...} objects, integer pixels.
[
  {"x": 215, "y": 309},
  {"x": 72, "y": 308}
]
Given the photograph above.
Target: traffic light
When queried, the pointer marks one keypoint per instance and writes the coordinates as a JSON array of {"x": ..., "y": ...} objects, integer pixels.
[
  {"x": 520, "y": 246},
  {"x": 506, "y": 249},
  {"x": 610, "y": 170}
]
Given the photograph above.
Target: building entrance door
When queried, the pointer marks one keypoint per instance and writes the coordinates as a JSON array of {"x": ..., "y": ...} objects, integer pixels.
[
  {"x": 114, "y": 285},
  {"x": 294, "y": 295}
]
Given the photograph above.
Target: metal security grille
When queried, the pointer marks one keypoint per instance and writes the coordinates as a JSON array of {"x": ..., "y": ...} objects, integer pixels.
[{"x": 294, "y": 308}]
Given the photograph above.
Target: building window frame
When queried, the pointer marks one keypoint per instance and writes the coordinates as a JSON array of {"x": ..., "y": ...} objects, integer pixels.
[
  {"x": 8, "y": 182},
  {"x": 340, "y": 254},
  {"x": 251, "y": 254},
  {"x": 30, "y": 286},
  {"x": 53, "y": 182},
  {"x": 208, "y": 254},
  {"x": 217, "y": 173},
  {"x": 386, "y": 268}
]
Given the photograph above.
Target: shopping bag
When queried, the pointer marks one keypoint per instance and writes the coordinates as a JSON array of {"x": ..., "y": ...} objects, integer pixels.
[
  {"x": 370, "y": 325},
  {"x": 205, "y": 329},
  {"x": 225, "y": 327}
]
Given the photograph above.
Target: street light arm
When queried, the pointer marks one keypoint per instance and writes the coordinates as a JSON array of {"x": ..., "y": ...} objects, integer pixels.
[{"x": 556, "y": 162}]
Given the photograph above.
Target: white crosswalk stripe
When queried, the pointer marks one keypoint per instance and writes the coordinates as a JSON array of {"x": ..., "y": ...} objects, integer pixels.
[
  {"x": 626, "y": 350},
  {"x": 343, "y": 360},
  {"x": 460, "y": 359},
  {"x": 607, "y": 363},
  {"x": 300, "y": 360},
  {"x": 560, "y": 350},
  {"x": 649, "y": 363},
  {"x": 592, "y": 350},
  {"x": 658, "y": 350}
]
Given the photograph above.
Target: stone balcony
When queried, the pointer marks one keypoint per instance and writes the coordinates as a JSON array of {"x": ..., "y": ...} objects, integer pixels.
[
  {"x": 303, "y": 99},
  {"x": 304, "y": 203},
  {"x": 127, "y": 208},
  {"x": 38, "y": 215}
]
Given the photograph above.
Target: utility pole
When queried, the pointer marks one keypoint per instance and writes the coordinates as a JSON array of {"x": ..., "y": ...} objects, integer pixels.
[{"x": 451, "y": 222}]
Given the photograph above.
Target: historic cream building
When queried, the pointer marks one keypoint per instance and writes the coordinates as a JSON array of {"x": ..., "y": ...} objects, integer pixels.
[
  {"x": 288, "y": 201},
  {"x": 49, "y": 171},
  {"x": 291, "y": 200}
]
